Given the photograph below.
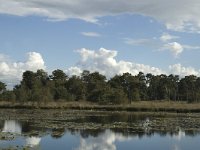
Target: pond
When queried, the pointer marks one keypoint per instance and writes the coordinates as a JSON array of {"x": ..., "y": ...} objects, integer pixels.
[{"x": 99, "y": 131}]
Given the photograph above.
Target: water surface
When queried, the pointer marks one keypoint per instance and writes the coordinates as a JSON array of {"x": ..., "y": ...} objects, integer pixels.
[{"x": 99, "y": 132}]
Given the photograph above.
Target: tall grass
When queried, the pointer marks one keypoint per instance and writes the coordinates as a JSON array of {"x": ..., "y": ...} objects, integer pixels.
[{"x": 143, "y": 106}]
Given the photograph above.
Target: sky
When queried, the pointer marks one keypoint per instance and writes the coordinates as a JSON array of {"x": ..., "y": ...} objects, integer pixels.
[{"x": 109, "y": 36}]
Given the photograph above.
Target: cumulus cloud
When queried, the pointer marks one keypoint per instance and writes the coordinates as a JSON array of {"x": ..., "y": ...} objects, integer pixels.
[
  {"x": 167, "y": 37},
  {"x": 104, "y": 61},
  {"x": 175, "y": 48},
  {"x": 11, "y": 72},
  {"x": 91, "y": 34},
  {"x": 74, "y": 71},
  {"x": 105, "y": 141},
  {"x": 175, "y": 14},
  {"x": 183, "y": 71},
  {"x": 34, "y": 61}
]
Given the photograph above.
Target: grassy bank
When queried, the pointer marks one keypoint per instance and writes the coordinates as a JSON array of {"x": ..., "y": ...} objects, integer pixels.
[{"x": 143, "y": 106}]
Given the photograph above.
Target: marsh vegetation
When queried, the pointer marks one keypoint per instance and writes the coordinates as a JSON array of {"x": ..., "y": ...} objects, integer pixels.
[{"x": 48, "y": 129}]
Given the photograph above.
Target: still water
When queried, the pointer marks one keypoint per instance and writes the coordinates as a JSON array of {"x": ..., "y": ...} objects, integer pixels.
[{"x": 20, "y": 135}]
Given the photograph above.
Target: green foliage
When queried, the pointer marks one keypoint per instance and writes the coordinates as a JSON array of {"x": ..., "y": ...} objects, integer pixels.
[
  {"x": 2, "y": 86},
  {"x": 117, "y": 96},
  {"x": 20, "y": 93},
  {"x": 40, "y": 87},
  {"x": 187, "y": 88},
  {"x": 59, "y": 75},
  {"x": 28, "y": 79},
  {"x": 76, "y": 88},
  {"x": 61, "y": 93},
  {"x": 42, "y": 77},
  {"x": 8, "y": 96}
]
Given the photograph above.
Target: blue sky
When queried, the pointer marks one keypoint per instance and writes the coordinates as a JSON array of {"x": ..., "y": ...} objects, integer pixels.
[{"x": 110, "y": 36}]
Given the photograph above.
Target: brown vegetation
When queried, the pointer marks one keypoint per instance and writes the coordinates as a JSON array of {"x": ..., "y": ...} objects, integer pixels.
[{"x": 142, "y": 106}]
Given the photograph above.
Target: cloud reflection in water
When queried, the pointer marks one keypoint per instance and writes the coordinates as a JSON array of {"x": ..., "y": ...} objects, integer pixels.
[
  {"x": 12, "y": 126},
  {"x": 105, "y": 141},
  {"x": 33, "y": 141}
]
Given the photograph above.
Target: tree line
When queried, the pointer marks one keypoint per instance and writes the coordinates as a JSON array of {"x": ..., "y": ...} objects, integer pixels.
[{"x": 93, "y": 86}]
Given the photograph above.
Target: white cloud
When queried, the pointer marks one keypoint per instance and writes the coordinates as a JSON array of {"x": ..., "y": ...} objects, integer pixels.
[
  {"x": 167, "y": 37},
  {"x": 34, "y": 62},
  {"x": 178, "y": 69},
  {"x": 91, "y": 34},
  {"x": 11, "y": 72},
  {"x": 74, "y": 71},
  {"x": 175, "y": 48},
  {"x": 189, "y": 47},
  {"x": 175, "y": 14},
  {"x": 136, "y": 41},
  {"x": 104, "y": 61}
]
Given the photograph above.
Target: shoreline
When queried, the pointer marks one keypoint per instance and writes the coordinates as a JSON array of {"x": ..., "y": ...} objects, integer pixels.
[
  {"x": 139, "y": 106},
  {"x": 133, "y": 122}
]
